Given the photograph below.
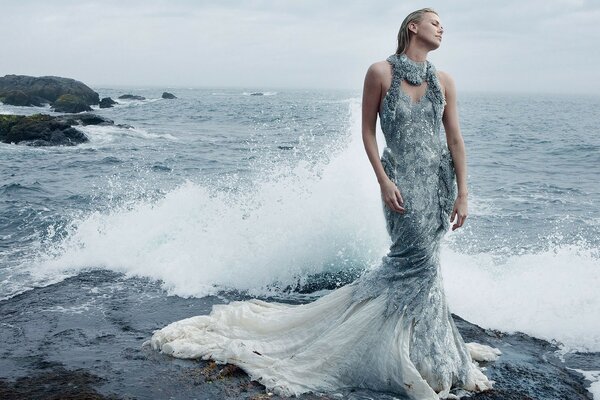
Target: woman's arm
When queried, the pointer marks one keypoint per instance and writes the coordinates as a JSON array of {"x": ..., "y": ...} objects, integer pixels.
[
  {"x": 456, "y": 145},
  {"x": 371, "y": 100}
]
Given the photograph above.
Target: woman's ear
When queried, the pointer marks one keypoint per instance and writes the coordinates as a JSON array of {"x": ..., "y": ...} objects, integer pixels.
[{"x": 412, "y": 27}]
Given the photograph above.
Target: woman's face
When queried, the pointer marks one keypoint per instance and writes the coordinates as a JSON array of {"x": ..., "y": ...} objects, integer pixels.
[{"x": 429, "y": 30}]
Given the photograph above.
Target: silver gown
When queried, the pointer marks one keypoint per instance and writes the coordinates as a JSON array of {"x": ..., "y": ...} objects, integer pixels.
[{"x": 391, "y": 329}]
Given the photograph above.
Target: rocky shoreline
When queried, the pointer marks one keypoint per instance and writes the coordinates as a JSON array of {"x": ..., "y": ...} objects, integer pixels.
[{"x": 82, "y": 338}]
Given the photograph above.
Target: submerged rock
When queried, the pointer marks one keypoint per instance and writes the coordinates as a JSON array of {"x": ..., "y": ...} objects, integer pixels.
[
  {"x": 69, "y": 103},
  {"x": 167, "y": 95},
  {"x": 43, "y": 90},
  {"x": 107, "y": 102},
  {"x": 131, "y": 97}
]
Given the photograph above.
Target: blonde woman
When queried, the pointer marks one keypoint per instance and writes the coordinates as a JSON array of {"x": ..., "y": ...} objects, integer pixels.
[{"x": 390, "y": 330}]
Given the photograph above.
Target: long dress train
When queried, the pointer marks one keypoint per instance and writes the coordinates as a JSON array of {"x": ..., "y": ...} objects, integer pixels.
[{"x": 391, "y": 330}]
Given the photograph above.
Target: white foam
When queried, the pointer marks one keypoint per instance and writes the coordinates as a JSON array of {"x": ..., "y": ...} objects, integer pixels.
[
  {"x": 594, "y": 378},
  {"x": 551, "y": 295},
  {"x": 100, "y": 134},
  {"x": 292, "y": 223}
]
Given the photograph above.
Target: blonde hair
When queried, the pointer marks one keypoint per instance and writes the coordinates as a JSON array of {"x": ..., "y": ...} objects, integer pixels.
[{"x": 404, "y": 33}]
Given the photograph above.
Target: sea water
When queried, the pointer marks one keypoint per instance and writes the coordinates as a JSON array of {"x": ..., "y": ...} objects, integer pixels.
[{"x": 272, "y": 195}]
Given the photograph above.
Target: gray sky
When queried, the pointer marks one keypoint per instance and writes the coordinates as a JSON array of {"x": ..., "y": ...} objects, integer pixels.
[{"x": 500, "y": 46}]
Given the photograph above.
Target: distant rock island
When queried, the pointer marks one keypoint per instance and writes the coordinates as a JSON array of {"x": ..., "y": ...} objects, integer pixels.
[
  {"x": 167, "y": 95},
  {"x": 63, "y": 94},
  {"x": 131, "y": 97}
]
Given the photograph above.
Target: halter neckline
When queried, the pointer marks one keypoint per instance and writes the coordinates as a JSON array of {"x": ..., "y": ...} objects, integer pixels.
[{"x": 415, "y": 72}]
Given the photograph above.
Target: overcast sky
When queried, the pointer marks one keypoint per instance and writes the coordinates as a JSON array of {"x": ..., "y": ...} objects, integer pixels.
[{"x": 497, "y": 46}]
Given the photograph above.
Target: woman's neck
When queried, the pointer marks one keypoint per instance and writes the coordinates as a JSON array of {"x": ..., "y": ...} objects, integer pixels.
[{"x": 417, "y": 55}]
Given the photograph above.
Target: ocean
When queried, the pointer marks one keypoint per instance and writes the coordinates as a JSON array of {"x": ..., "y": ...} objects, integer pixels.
[{"x": 223, "y": 193}]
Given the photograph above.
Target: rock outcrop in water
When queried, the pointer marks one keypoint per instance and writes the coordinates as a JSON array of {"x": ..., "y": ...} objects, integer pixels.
[
  {"x": 38, "y": 130},
  {"x": 68, "y": 103},
  {"x": 107, "y": 102},
  {"x": 48, "y": 130},
  {"x": 23, "y": 90},
  {"x": 131, "y": 97},
  {"x": 167, "y": 95}
]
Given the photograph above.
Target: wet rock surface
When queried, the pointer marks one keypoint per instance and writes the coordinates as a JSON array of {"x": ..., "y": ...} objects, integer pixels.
[{"x": 83, "y": 337}]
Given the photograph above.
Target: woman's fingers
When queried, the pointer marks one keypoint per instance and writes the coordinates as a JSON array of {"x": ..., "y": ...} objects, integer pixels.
[
  {"x": 392, "y": 197},
  {"x": 399, "y": 197},
  {"x": 460, "y": 220},
  {"x": 394, "y": 204}
]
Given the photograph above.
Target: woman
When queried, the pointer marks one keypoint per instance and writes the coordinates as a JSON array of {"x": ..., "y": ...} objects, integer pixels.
[{"x": 391, "y": 330}]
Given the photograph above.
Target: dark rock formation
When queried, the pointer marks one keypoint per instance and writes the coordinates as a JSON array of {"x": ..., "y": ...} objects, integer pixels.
[
  {"x": 257, "y": 94},
  {"x": 528, "y": 368},
  {"x": 20, "y": 98},
  {"x": 44, "y": 89},
  {"x": 107, "y": 102},
  {"x": 38, "y": 130},
  {"x": 85, "y": 119},
  {"x": 167, "y": 95},
  {"x": 48, "y": 130},
  {"x": 131, "y": 97},
  {"x": 69, "y": 103}
]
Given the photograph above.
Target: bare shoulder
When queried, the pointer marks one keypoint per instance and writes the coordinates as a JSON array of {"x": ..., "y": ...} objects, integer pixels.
[
  {"x": 379, "y": 70},
  {"x": 447, "y": 82}
]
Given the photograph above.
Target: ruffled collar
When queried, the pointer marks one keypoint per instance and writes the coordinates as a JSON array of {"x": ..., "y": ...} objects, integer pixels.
[{"x": 415, "y": 72}]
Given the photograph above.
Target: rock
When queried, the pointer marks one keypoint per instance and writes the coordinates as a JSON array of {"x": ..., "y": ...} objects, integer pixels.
[
  {"x": 131, "y": 97},
  {"x": 529, "y": 368},
  {"x": 107, "y": 102},
  {"x": 38, "y": 130},
  {"x": 105, "y": 341},
  {"x": 167, "y": 95},
  {"x": 69, "y": 103},
  {"x": 54, "y": 382},
  {"x": 45, "y": 89},
  {"x": 85, "y": 119},
  {"x": 49, "y": 130},
  {"x": 257, "y": 94},
  {"x": 22, "y": 99}
]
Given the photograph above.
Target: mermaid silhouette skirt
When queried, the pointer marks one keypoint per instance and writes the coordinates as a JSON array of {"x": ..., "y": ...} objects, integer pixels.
[{"x": 390, "y": 330}]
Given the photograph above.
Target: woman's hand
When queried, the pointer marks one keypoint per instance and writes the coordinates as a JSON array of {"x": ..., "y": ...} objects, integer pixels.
[
  {"x": 460, "y": 211},
  {"x": 391, "y": 196}
]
